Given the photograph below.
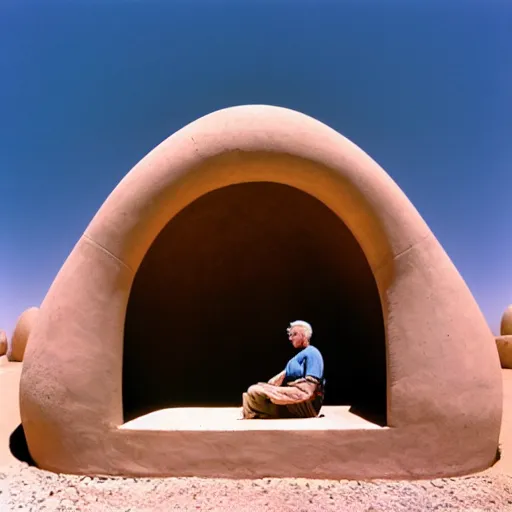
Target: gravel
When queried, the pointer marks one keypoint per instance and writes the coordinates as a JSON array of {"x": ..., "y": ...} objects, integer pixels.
[{"x": 25, "y": 488}]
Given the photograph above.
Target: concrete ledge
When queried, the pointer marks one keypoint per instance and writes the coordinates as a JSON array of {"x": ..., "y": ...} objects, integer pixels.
[{"x": 228, "y": 419}]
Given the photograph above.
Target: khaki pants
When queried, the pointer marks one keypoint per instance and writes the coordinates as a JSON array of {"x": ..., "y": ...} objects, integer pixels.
[{"x": 293, "y": 401}]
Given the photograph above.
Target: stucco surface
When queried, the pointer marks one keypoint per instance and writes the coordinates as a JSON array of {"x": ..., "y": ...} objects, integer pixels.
[
  {"x": 443, "y": 381},
  {"x": 21, "y": 333}
]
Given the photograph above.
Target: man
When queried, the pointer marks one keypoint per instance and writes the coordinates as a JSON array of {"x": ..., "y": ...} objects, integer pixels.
[{"x": 296, "y": 392}]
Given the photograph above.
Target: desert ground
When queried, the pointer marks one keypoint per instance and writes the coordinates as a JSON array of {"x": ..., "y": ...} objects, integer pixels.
[{"x": 26, "y": 488}]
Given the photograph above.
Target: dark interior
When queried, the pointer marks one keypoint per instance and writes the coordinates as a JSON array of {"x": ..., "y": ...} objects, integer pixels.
[{"x": 210, "y": 304}]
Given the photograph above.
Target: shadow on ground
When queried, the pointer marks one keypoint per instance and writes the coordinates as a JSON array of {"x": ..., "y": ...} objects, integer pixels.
[
  {"x": 18, "y": 446},
  {"x": 369, "y": 413}
]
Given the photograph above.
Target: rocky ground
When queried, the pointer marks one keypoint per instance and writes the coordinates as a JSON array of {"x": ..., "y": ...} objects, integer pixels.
[{"x": 24, "y": 488}]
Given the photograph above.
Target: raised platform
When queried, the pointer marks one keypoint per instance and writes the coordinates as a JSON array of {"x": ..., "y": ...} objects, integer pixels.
[{"x": 229, "y": 419}]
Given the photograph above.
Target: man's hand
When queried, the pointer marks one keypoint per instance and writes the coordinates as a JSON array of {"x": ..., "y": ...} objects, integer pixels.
[{"x": 278, "y": 379}]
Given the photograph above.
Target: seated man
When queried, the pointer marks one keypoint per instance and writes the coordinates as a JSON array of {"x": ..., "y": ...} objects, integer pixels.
[{"x": 296, "y": 392}]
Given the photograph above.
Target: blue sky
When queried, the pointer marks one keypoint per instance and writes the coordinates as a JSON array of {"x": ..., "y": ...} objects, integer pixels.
[{"x": 88, "y": 88}]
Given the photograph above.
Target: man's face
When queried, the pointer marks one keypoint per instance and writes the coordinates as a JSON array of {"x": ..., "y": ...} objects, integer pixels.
[{"x": 296, "y": 336}]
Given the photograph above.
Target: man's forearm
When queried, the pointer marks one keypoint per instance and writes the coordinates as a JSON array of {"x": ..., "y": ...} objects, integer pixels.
[{"x": 278, "y": 379}]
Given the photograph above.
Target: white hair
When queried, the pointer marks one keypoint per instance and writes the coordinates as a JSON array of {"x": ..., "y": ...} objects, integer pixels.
[{"x": 308, "y": 330}]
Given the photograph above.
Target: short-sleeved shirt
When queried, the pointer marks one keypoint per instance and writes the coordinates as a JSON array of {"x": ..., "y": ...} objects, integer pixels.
[{"x": 308, "y": 362}]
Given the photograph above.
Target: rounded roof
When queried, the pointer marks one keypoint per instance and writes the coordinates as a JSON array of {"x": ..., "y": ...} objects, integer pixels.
[{"x": 369, "y": 201}]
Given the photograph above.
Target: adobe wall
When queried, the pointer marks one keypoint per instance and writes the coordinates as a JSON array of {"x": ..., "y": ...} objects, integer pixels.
[{"x": 443, "y": 376}]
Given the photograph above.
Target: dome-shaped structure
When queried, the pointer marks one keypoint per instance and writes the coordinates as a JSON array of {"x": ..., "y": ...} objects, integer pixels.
[
  {"x": 21, "y": 333},
  {"x": 506, "y": 322},
  {"x": 172, "y": 289},
  {"x": 504, "y": 342}
]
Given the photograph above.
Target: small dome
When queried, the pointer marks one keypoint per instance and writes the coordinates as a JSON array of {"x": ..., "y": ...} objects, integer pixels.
[
  {"x": 22, "y": 332},
  {"x": 506, "y": 322}
]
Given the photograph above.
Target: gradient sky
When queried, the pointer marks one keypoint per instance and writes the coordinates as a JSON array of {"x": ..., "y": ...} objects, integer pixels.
[{"x": 89, "y": 87}]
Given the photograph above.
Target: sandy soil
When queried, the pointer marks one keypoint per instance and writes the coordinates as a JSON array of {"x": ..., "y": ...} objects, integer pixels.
[
  {"x": 30, "y": 489},
  {"x": 25, "y": 488}
]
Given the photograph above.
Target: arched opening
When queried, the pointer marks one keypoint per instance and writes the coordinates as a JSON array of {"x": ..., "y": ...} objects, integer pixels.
[{"x": 216, "y": 290}]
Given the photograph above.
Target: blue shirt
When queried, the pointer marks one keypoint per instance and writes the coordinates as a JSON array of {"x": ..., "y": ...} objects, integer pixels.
[{"x": 308, "y": 361}]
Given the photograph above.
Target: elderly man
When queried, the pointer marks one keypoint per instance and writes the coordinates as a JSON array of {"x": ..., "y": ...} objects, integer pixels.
[{"x": 296, "y": 392}]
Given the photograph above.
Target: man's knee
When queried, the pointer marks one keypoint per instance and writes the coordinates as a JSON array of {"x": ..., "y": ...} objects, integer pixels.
[{"x": 255, "y": 389}]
